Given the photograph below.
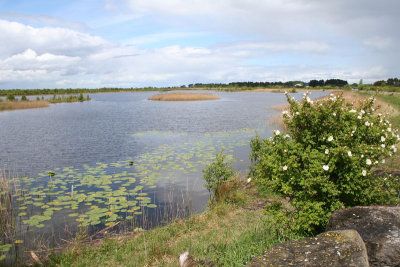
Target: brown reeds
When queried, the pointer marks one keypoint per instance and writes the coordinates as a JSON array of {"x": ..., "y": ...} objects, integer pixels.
[
  {"x": 183, "y": 97},
  {"x": 7, "y": 222},
  {"x": 13, "y": 105}
]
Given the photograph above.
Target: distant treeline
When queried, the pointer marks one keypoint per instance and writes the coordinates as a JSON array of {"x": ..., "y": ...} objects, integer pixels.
[
  {"x": 20, "y": 92},
  {"x": 312, "y": 83},
  {"x": 390, "y": 84}
]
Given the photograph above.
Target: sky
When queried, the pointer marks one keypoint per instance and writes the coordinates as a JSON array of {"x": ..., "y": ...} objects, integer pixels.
[{"x": 136, "y": 43}]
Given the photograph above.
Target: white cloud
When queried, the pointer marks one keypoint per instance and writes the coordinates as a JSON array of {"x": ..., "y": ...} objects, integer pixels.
[{"x": 17, "y": 37}]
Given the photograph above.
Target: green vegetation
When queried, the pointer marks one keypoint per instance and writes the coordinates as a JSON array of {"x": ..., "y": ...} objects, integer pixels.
[
  {"x": 68, "y": 99},
  {"x": 324, "y": 161},
  {"x": 226, "y": 234},
  {"x": 215, "y": 174}
]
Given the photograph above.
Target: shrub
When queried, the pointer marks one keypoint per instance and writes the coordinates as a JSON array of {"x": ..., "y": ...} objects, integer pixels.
[
  {"x": 324, "y": 162},
  {"x": 10, "y": 97},
  {"x": 216, "y": 173},
  {"x": 24, "y": 98}
]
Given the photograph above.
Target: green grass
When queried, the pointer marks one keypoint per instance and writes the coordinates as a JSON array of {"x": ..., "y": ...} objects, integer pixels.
[
  {"x": 227, "y": 235},
  {"x": 394, "y": 100}
]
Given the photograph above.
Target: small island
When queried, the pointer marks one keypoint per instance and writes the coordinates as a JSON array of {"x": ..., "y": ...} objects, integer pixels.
[{"x": 183, "y": 97}]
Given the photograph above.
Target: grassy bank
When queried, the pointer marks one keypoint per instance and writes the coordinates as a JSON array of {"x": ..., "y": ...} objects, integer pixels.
[
  {"x": 29, "y": 104},
  {"x": 227, "y": 234},
  {"x": 183, "y": 97}
]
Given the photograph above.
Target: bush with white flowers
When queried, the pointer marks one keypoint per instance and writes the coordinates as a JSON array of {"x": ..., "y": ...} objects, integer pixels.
[{"x": 324, "y": 161}]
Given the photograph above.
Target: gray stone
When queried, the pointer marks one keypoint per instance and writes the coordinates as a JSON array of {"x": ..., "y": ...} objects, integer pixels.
[
  {"x": 378, "y": 226},
  {"x": 335, "y": 248}
]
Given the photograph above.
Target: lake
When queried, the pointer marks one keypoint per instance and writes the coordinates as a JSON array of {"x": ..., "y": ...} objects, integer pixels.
[{"x": 122, "y": 160}]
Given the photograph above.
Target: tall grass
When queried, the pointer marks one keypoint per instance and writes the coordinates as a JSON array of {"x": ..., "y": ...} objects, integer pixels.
[{"x": 13, "y": 105}]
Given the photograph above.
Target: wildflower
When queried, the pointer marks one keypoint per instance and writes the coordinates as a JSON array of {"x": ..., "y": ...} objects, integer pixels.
[
  {"x": 334, "y": 114},
  {"x": 325, "y": 167},
  {"x": 368, "y": 161},
  {"x": 277, "y": 132},
  {"x": 383, "y": 145},
  {"x": 349, "y": 153},
  {"x": 309, "y": 100},
  {"x": 389, "y": 129},
  {"x": 285, "y": 113},
  {"x": 326, "y": 151},
  {"x": 286, "y": 93},
  {"x": 394, "y": 148},
  {"x": 362, "y": 155},
  {"x": 367, "y": 123},
  {"x": 383, "y": 139},
  {"x": 364, "y": 173},
  {"x": 359, "y": 117},
  {"x": 287, "y": 136},
  {"x": 249, "y": 180},
  {"x": 285, "y": 168},
  {"x": 330, "y": 138},
  {"x": 362, "y": 112},
  {"x": 353, "y": 111},
  {"x": 297, "y": 113},
  {"x": 383, "y": 161}
]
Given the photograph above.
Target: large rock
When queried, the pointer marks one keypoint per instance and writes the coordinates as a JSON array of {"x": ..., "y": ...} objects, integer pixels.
[
  {"x": 335, "y": 248},
  {"x": 378, "y": 226}
]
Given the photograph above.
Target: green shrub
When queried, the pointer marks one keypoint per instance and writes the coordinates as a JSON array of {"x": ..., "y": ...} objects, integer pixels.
[
  {"x": 10, "y": 97},
  {"x": 215, "y": 174},
  {"x": 24, "y": 98},
  {"x": 324, "y": 161}
]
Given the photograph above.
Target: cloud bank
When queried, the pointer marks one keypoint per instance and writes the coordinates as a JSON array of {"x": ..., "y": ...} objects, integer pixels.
[{"x": 137, "y": 43}]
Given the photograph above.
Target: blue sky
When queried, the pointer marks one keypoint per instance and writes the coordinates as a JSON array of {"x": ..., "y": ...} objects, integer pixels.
[{"x": 133, "y": 43}]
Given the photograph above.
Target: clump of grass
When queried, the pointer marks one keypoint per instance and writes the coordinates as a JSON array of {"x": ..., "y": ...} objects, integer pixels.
[
  {"x": 7, "y": 219},
  {"x": 13, "y": 105},
  {"x": 183, "y": 97}
]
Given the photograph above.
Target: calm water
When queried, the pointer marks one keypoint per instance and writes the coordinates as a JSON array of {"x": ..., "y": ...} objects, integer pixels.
[{"x": 152, "y": 152}]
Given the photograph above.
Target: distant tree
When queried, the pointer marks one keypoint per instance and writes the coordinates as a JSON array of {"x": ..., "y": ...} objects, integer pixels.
[
  {"x": 393, "y": 82},
  {"x": 315, "y": 83},
  {"x": 81, "y": 98},
  {"x": 361, "y": 82},
  {"x": 336, "y": 82},
  {"x": 379, "y": 83},
  {"x": 10, "y": 97},
  {"x": 24, "y": 98}
]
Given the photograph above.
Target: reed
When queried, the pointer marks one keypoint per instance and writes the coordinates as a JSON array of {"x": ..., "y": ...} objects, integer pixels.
[
  {"x": 183, "y": 97},
  {"x": 13, "y": 105}
]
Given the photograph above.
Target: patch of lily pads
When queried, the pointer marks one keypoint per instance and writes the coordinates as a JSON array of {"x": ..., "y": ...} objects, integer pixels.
[{"x": 106, "y": 193}]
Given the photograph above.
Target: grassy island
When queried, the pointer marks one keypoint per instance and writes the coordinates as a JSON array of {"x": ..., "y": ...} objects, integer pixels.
[
  {"x": 183, "y": 97},
  {"x": 12, "y": 103}
]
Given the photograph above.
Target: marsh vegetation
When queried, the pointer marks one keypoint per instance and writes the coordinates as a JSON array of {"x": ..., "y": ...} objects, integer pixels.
[{"x": 183, "y": 97}]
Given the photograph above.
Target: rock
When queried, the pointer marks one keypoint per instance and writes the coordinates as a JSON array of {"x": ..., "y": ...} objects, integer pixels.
[
  {"x": 378, "y": 226},
  {"x": 335, "y": 248}
]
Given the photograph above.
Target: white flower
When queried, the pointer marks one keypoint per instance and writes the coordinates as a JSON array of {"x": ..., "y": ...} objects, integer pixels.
[
  {"x": 249, "y": 180},
  {"x": 286, "y": 93},
  {"x": 362, "y": 111},
  {"x": 330, "y": 138},
  {"x": 287, "y": 136},
  {"x": 349, "y": 153},
  {"x": 326, "y": 151},
  {"x": 383, "y": 139},
  {"x": 389, "y": 129},
  {"x": 383, "y": 161},
  {"x": 277, "y": 132},
  {"x": 362, "y": 155},
  {"x": 359, "y": 117},
  {"x": 368, "y": 161},
  {"x": 285, "y": 113},
  {"x": 285, "y": 168},
  {"x": 309, "y": 100},
  {"x": 364, "y": 173},
  {"x": 353, "y": 111},
  {"x": 383, "y": 145},
  {"x": 334, "y": 114},
  {"x": 367, "y": 123},
  {"x": 325, "y": 167},
  {"x": 297, "y": 113}
]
